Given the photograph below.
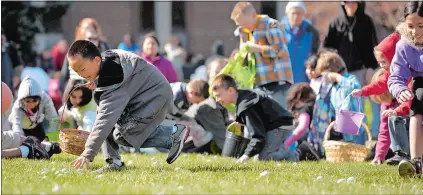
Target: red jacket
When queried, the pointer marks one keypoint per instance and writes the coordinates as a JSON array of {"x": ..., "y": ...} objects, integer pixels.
[{"x": 380, "y": 87}]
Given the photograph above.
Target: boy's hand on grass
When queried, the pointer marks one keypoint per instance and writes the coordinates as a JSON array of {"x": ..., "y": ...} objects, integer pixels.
[
  {"x": 388, "y": 113},
  {"x": 356, "y": 93},
  {"x": 243, "y": 158},
  {"x": 405, "y": 96},
  {"x": 80, "y": 162}
]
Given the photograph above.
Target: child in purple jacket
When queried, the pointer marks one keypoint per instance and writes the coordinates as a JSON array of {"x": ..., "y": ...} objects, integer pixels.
[{"x": 408, "y": 62}]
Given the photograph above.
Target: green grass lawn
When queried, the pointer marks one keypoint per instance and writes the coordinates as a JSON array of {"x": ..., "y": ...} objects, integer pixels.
[{"x": 200, "y": 174}]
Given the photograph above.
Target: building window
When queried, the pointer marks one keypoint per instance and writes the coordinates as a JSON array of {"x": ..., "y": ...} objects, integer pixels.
[
  {"x": 178, "y": 15},
  {"x": 269, "y": 8},
  {"x": 147, "y": 16}
]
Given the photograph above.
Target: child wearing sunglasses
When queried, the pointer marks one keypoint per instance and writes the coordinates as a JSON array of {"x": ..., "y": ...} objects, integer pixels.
[{"x": 32, "y": 107}]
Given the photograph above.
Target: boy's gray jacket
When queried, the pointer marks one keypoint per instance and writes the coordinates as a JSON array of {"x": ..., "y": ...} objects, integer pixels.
[
  {"x": 133, "y": 107},
  {"x": 46, "y": 110}
]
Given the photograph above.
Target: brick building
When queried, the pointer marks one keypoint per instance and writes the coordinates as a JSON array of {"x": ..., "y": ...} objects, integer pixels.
[{"x": 198, "y": 23}]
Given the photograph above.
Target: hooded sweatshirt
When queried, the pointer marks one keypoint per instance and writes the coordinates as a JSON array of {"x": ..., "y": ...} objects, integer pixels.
[
  {"x": 407, "y": 62},
  {"x": 387, "y": 47},
  {"x": 260, "y": 114},
  {"x": 133, "y": 98},
  {"x": 354, "y": 38},
  {"x": 21, "y": 119}
]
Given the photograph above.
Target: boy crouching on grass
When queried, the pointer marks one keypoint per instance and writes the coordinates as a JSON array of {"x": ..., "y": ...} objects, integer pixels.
[
  {"x": 133, "y": 98},
  {"x": 267, "y": 122}
]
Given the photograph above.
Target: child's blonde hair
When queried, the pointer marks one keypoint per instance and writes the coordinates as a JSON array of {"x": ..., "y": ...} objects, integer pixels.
[
  {"x": 330, "y": 61},
  {"x": 385, "y": 97},
  {"x": 241, "y": 8}
]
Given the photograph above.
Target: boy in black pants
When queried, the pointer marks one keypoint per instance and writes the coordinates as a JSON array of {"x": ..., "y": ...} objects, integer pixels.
[{"x": 267, "y": 122}]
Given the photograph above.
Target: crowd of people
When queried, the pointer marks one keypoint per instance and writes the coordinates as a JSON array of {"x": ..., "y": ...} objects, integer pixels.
[{"x": 133, "y": 99}]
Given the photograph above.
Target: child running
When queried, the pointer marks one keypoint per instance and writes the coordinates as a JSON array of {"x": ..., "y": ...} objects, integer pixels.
[
  {"x": 408, "y": 62},
  {"x": 133, "y": 98},
  {"x": 384, "y": 53}
]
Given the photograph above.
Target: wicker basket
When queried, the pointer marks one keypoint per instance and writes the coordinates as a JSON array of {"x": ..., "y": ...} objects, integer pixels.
[
  {"x": 339, "y": 151},
  {"x": 72, "y": 141}
]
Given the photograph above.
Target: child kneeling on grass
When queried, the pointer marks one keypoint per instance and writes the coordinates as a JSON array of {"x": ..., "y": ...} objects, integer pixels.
[
  {"x": 32, "y": 107},
  {"x": 186, "y": 95},
  {"x": 133, "y": 98},
  {"x": 267, "y": 122},
  {"x": 79, "y": 108},
  {"x": 300, "y": 102},
  {"x": 14, "y": 145}
]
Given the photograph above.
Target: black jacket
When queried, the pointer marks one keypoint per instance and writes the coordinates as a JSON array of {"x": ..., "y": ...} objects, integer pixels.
[
  {"x": 358, "y": 52},
  {"x": 259, "y": 114}
]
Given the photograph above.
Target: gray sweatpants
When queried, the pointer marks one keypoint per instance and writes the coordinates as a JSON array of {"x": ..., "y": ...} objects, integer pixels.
[{"x": 274, "y": 148}]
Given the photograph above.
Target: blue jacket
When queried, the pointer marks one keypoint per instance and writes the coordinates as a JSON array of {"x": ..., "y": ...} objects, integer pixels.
[{"x": 301, "y": 47}]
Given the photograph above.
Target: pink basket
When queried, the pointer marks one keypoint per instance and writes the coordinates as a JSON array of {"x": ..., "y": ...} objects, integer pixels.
[{"x": 349, "y": 122}]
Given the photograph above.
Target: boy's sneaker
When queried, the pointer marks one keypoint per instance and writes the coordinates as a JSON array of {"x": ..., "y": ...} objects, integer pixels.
[
  {"x": 399, "y": 156},
  {"x": 178, "y": 139},
  {"x": 55, "y": 149},
  {"x": 410, "y": 168},
  {"x": 36, "y": 150},
  {"x": 306, "y": 152},
  {"x": 111, "y": 166}
]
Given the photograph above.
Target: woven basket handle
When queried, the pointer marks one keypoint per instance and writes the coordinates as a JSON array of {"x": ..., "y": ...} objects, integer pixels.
[{"x": 332, "y": 124}]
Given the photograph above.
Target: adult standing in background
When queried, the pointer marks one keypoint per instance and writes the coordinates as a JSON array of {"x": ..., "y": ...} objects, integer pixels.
[
  {"x": 80, "y": 34},
  {"x": 128, "y": 44},
  {"x": 353, "y": 35},
  {"x": 302, "y": 39},
  {"x": 150, "y": 52},
  {"x": 268, "y": 45},
  {"x": 177, "y": 55},
  {"x": 58, "y": 52}
]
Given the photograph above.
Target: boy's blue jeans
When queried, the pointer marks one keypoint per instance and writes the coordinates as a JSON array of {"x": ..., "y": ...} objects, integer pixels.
[
  {"x": 160, "y": 138},
  {"x": 399, "y": 133}
]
